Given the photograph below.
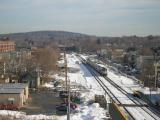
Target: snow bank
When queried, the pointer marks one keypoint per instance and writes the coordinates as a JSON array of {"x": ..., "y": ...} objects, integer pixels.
[{"x": 22, "y": 116}]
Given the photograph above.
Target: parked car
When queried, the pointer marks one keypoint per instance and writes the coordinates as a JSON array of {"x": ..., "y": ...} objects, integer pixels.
[
  {"x": 63, "y": 94},
  {"x": 9, "y": 107},
  {"x": 63, "y": 106}
]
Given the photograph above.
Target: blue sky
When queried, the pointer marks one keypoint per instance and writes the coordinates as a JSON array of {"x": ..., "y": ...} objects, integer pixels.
[{"x": 95, "y": 17}]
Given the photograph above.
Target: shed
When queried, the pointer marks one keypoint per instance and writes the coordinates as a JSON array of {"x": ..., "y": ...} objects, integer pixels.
[
  {"x": 14, "y": 96},
  {"x": 16, "y": 93}
]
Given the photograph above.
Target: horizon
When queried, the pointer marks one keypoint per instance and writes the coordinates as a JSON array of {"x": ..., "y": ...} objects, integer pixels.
[
  {"x": 77, "y": 33},
  {"x": 91, "y": 17}
]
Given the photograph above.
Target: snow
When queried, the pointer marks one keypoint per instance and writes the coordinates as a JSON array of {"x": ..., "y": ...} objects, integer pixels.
[
  {"x": 59, "y": 77},
  {"x": 60, "y": 63},
  {"x": 23, "y": 116},
  {"x": 89, "y": 112},
  {"x": 137, "y": 112},
  {"x": 128, "y": 85},
  {"x": 85, "y": 57},
  {"x": 48, "y": 85},
  {"x": 81, "y": 77},
  {"x": 85, "y": 112}
]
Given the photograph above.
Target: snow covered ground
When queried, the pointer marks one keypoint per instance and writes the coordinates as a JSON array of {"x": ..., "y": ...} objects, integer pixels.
[
  {"x": 85, "y": 111},
  {"x": 79, "y": 75},
  {"x": 128, "y": 84}
]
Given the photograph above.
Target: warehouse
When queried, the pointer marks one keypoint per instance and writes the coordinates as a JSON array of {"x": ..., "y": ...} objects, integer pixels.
[{"x": 14, "y": 93}]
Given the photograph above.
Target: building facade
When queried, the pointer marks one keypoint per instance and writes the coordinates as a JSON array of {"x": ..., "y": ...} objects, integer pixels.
[
  {"x": 7, "y": 46},
  {"x": 142, "y": 60},
  {"x": 117, "y": 55},
  {"x": 16, "y": 93}
]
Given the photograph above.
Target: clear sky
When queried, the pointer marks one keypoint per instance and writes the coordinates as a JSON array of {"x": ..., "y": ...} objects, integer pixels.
[{"x": 95, "y": 17}]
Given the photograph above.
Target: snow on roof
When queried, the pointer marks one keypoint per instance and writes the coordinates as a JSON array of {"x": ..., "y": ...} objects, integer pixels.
[
  {"x": 60, "y": 61},
  {"x": 10, "y": 90},
  {"x": 101, "y": 65},
  {"x": 48, "y": 85},
  {"x": 84, "y": 56},
  {"x": 14, "y": 85}
]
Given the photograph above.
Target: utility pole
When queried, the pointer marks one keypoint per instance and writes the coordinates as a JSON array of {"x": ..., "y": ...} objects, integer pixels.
[
  {"x": 38, "y": 77},
  {"x": 149, "y": 85},
  {"x": 155, "y": 65},
  {"x": 67, "y": 87},
  {"x": 68, "y": 109},
  {"x": 65, "y": 62},
  {"x": 4, "y": 69}
]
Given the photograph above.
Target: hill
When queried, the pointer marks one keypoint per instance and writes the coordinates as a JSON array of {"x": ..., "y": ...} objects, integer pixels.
[{"x": 71, "y": 38}]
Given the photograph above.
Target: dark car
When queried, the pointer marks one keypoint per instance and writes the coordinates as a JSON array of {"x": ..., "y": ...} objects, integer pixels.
[
  {"x": 61, "y": 107},
  {"x": 63, "y": 94}
]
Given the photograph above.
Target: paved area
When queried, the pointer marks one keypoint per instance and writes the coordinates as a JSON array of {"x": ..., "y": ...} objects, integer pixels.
[{"x": 42, "y": 102}]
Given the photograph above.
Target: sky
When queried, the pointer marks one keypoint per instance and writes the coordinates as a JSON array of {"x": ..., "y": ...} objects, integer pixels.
[{"x": 94, "y": 17}]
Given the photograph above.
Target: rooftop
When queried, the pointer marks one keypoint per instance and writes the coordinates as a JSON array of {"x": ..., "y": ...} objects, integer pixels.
[
  {"x": 10, "y": 90},
  {"x": 13, "y": 85}
]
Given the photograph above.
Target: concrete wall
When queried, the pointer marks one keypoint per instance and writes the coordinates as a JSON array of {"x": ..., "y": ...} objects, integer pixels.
[
  {"x": 26, "y": 94},
  {"x": 18, "y": 98}
]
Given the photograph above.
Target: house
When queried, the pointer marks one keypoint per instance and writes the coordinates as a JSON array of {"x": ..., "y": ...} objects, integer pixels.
[
  {"x": 14, "y": 93},
  {"x": 131, "y": 57},
  {"x": 28, "y": 78},
  {"x": 145, "y": 59},
  {"x": 4, "y": 79},
  {"x": 32, "y": 80},
  {"x": 117, "y": 55},
  {"x": 24, "y": 53},
  {"x": 102, "y": 53}
]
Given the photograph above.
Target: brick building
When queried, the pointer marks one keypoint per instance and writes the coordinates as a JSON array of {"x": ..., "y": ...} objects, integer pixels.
[{"x": 7, "y": 45}]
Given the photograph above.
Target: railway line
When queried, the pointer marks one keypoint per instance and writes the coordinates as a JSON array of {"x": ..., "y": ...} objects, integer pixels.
[
  {"x": 111, "y": 95},
  {"x": 131, "y": 106},
  {"x": 143, "y": 105}
]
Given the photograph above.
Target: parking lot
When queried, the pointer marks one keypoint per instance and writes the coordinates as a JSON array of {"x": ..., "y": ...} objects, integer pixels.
[{"x": 42, "y": 102}]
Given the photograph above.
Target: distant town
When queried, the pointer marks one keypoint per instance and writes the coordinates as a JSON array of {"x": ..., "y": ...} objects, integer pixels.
[{"x": 64, "y": 75}]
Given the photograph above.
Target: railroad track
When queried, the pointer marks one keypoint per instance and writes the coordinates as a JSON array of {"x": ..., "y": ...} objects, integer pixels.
[
  {"x": 144, "y": 107},
  {"x": 105, "y": 88},
  {"x": 114, "y": 98}
]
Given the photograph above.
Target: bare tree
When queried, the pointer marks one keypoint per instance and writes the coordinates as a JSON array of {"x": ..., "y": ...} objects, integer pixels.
[{"x": 45, "y": 58}]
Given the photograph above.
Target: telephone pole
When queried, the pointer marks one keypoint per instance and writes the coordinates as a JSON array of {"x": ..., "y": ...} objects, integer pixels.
[
  {"x": 67, "y": 87},
  {"x": 68, "y": 108},
  {"x": 65, "y": 62},
  {"x": 4, "y": 68},
  {"x": 155, "y": 85}
]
